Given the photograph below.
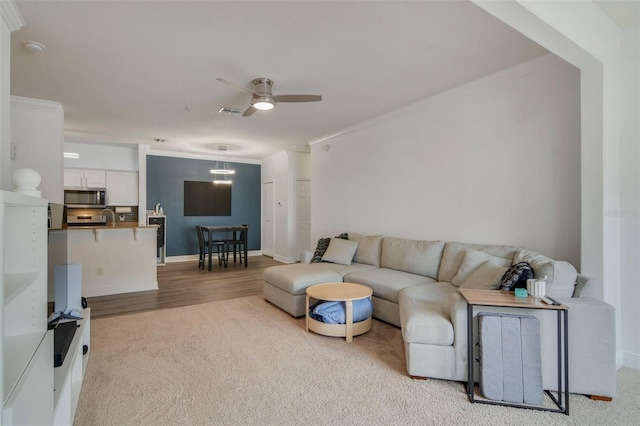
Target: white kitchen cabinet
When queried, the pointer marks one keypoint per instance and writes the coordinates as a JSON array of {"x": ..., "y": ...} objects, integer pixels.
[
  {"x": 27, "y": 347},
  {"x": 85, "y": 178},
  {"x": 122, "y": 188}
]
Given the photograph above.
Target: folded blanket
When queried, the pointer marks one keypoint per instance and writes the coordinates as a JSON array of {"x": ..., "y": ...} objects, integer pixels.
[{"x": 335, "y": 312}]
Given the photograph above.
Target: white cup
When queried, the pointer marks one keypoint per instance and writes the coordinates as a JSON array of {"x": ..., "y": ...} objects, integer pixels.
[{"x": 537, "y": 288}]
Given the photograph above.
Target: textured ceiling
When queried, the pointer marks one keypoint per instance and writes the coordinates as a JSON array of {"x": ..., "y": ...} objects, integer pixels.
[{"x": 132, "y": 71}]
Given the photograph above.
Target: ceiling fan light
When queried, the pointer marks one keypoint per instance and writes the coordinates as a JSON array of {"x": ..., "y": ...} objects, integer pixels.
[{"x": 263, "y": 105}]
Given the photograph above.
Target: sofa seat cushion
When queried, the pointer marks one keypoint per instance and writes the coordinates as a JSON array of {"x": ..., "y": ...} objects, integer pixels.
[
  {"x": 425, "y": 314},
  {"x": 386, "y": 283},
  {"x": 295, "y": 278}
]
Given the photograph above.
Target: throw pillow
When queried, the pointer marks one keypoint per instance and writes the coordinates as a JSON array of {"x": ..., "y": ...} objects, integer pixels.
[
  {"x": 323, "y": 243},
  {"x": 340, "y": 251},
  {"x": 516, "y": 276},
  {"x": 472, "y": 260},
  {"x": 485, "y": 277}
]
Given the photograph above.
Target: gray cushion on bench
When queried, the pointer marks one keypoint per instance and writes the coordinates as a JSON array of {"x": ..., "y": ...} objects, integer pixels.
[
  {"x": 386, "y": 283},
  {"x": 295, "y": 278}
]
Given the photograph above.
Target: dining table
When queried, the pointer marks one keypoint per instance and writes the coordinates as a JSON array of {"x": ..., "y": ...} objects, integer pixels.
[{"x": 236, "y": 231}]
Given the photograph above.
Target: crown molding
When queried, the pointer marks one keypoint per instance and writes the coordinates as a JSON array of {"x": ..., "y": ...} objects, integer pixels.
[
  {"x": 11, "y": 15},
  {"x": 193, "y": 156},
  {"x": 39, "y": 104}
]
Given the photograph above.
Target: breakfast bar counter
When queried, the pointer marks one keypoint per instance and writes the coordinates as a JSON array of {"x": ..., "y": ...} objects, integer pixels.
[{"x": 115, "y": 259}]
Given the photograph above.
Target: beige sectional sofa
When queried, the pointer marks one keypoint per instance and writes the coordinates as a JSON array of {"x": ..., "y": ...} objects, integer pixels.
[{"x": 415, "y": 287}]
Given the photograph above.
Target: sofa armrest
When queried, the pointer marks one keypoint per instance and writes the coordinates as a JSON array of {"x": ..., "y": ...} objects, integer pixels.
[
  {"x": 459, "y": 320},
  {"x": 592, "y": 346},
  {"x": 306, "y": 256}
]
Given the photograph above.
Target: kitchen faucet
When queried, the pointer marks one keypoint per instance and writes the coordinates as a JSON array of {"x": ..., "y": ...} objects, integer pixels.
[{"x": 113, "y": 216}]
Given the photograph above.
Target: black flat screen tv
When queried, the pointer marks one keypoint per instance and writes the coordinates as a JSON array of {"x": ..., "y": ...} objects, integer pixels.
[{"x": 206, "y": 199}]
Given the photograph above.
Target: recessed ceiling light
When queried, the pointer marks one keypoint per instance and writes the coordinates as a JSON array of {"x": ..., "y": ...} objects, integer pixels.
[
  {"x": 33, "y": 46},
  {"x": 72, "y": 155}
]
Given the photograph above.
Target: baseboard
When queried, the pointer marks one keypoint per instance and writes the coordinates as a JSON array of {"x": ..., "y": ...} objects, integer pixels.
[
  {"x": 194, "y": 257},
  {"x": 631, "y": 360},
  {"x": 116, "y": 287}
]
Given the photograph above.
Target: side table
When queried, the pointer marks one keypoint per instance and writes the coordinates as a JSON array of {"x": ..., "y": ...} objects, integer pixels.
[
  {"x": 508, "y": 300},
  {"x": 339, "y": 292}
]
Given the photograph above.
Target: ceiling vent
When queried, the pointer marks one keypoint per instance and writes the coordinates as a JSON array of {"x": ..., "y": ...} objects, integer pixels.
[{"x": 230, "y": 111}]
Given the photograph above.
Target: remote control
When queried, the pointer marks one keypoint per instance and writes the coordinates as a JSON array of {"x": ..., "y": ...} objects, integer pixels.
[{"x": 547, "y": 300}]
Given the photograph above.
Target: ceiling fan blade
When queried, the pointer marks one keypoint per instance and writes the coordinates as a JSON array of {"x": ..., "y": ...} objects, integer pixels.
[
  {"x": 235, "y": 86},
  {"x": 249, "y": 111},
  {"x": 298, "y": 98}
]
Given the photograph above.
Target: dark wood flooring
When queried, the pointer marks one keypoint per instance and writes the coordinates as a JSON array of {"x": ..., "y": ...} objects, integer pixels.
[{"x": 183, "y": 284}]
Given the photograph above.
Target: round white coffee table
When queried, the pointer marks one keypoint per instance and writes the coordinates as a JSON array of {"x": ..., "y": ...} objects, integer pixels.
[{"x": 339, "y": 292}]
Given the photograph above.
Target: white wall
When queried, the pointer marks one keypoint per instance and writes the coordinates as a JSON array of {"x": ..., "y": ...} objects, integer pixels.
[
  {"x": 629, "y": 212},
  {"x": 37, "y": 130},
  {"x": 495, "y": 161},
  {"x": 108, "y": 157},
  {"x": 283, "y": 169},
  {"x": 583, "y": 35},
  {"x": 10, "y": 20}
]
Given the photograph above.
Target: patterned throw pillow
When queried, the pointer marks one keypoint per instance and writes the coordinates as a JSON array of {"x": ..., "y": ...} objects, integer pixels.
[
  {"x": 516, "y": 276},
  {"x": 323, "y": 243}
]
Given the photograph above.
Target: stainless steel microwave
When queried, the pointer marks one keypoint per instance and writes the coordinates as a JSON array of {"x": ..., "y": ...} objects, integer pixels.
[{"x": 86, "y": 198}]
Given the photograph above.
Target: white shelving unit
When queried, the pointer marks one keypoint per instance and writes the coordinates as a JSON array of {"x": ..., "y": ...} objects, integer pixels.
[
  {"x": 27, "y": 346},
  {"x": 69, "y": 376}
]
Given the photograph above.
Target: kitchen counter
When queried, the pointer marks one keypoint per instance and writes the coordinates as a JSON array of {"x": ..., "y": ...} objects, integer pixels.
[
  {"x": 115, "y": 259},
  {"x": 118, "y": 225}
]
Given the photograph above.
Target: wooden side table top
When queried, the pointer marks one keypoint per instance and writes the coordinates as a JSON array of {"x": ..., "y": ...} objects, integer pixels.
[
  {"x": 505, "y": 299},
  {"x": 339, "y": 291}
]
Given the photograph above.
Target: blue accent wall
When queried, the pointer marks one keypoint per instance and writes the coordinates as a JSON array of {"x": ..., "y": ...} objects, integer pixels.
[{"x": 165, "y": 185}]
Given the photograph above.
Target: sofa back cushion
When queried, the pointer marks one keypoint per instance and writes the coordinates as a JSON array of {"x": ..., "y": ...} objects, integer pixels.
[
  {"x": 369, "y": 248},
  {"x": 413, "y": 256},
  {"x": 561, "y": 275},
  {"x": 454, "y": 253}
]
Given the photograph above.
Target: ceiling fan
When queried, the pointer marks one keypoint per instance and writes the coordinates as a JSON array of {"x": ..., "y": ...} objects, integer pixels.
[{"x": 263, "y": 99}]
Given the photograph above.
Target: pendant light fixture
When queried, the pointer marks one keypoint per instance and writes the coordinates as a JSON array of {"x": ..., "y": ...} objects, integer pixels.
[{"x": 223, "y": 171}]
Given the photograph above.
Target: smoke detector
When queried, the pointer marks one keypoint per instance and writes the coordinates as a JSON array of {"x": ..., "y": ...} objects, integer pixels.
[{"x": 33, "y": 46}]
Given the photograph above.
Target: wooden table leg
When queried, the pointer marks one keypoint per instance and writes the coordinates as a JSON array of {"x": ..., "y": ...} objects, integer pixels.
[{"x": 349, "y": 321}]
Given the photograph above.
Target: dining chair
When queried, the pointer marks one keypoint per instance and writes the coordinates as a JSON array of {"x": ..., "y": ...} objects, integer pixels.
[
  {"x": 203, "y": 246},
  {"x": 236, "y": 244}
]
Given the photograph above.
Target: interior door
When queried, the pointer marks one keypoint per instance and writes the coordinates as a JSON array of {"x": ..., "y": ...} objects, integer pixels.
[
  {"x": 267, "y": 218},
  {"x": 303, "y": 217}
]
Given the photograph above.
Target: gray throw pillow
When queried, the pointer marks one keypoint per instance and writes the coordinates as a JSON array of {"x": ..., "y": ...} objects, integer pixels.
[{"x": 323, "y": 243}]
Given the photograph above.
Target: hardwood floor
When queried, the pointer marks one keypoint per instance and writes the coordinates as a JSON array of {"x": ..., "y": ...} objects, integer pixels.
[{"x": 183, "y": 284}]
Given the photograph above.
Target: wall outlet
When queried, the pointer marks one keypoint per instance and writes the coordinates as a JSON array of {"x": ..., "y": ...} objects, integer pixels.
[{"x": 99, "y": 272}]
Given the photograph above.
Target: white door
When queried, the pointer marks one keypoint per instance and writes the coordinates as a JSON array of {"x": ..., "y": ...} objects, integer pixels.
[
  {"x": 267, "y": 218},
  {"x": 303, "y": 219}
]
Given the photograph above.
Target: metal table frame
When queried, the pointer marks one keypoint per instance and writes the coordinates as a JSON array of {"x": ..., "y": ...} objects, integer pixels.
[{"x": 563, "y": 355}]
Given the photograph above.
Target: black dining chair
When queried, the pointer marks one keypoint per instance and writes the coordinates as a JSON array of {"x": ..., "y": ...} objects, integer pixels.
[
  {"x": 207, "y": 247},
  {"x": 236, "y": 244}
]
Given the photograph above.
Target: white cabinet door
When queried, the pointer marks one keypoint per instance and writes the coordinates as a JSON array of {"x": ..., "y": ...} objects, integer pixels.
[
  {"x": 73, "y": 178},
  {"x": 85, "y": 178},
  {"x": 95, "y": 179},
  {"x": 122, "y": 188}
]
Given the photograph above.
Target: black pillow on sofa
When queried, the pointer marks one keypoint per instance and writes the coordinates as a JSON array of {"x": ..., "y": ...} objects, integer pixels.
[
  {"x": 516, "y": 276},
  {"x": 323, "y": 244}
]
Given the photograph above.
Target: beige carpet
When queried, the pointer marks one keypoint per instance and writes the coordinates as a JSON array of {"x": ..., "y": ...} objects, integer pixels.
[{"x": 245, "y": 362}]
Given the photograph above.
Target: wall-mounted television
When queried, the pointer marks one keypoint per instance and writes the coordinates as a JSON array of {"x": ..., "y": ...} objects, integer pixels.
[{"x": 206, "y": 199}]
